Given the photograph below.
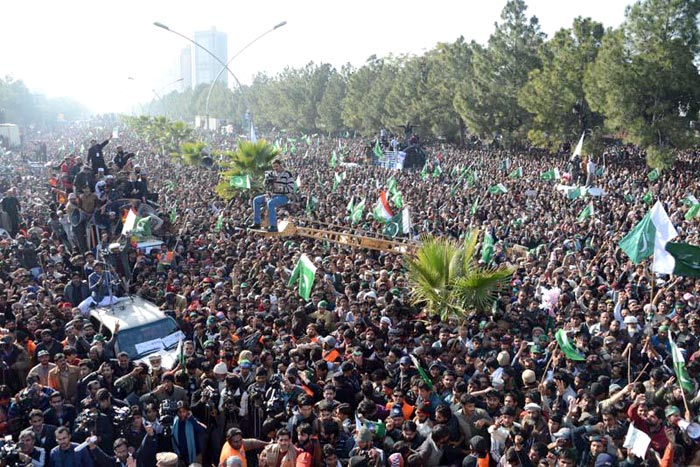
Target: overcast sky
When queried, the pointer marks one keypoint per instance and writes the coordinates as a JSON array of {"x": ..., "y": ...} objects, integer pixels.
[{"x": 89, "y": 49}]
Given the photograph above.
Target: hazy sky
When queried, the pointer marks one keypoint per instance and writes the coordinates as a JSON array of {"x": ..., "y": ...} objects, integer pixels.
[{"x": 88, "y": 49}]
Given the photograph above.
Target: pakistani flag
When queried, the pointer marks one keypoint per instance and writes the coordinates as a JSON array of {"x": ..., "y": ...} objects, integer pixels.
[
  {"x": 487, "y": 249},
  {"x": 475, "y": 206},
  {"x": 421, "y": 372},
  {"x": 356, "y": 214},
  {"x": 587, "y": 212},
  {"x": 679, "y": 366},
  {"x": 351, "y": 203},
  {"x": 304, "y": 272},
  {"x": 397, "y": 199},
  {"x": 498, "y": 189},
  {"x": 574, "y": 194},
  {"x": 648, "y": 198},
  {"x": 653, "y": 175},
  {"x": 649, "y": 237},
  {"x": 334, "y": 159},
  {"x": 392, "y": 186},
  {"x": 337, "y": 179},
  {"x": 382, "y": 211},
  {"x": 437, "y": 171},
  {"x": 567, "y": 347},
  {"x": 400, "y": 224},
  {"x": 424, "y": 172},
  {"x": 690, "y": 200},
  {"x": 378, "y": 150},
  {"x": 142, "y": 227},
  {"x": 219, "y": 223},
  {"x": 173, "y": 214},
  {"x": 550, "y": 175},
  {"x": 515, "y": 174},
  {"x": 579, "y": 147},
  {"x": 693, "y": 212},
  {"x": 686, "y": 259},
  {"x": 241, "y": 182},
  {"x": 311, "y": 204}
]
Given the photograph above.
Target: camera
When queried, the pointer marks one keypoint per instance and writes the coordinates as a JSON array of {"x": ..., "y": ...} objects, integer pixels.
[
  {"x": 121, "y": 420},
  {"x": 168, "y": 412},
  {"x": 269, "y": 178},
  {"x": 9, "y": 452}
]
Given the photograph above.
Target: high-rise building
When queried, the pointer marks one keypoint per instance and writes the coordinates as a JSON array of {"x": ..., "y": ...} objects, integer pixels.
[
  {"x": 185, "y": 68},
  {"x": 205, "y": 66}
]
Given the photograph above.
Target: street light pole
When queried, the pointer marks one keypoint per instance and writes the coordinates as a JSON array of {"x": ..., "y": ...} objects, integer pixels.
[
  {"x": 163, "y": 26},
  {"x": 157, "y": 93},
  {"x": 225, "y": 67}
]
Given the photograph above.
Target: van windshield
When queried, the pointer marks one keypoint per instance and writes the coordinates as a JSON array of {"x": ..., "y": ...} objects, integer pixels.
[{"x": 128, "y": 338}]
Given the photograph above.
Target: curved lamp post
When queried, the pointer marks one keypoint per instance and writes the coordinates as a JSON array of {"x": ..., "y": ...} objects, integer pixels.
[
  {"x": 157, "y": 93},
  {"x": 225, "y": 67},
  {"x": 163, "y": 26}
]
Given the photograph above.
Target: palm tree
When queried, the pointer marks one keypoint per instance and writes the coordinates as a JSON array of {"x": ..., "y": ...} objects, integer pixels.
[
  {"x": 252, "y": 159},
  {"x": 446, "y": 278},
  {"x": 190, "y": 153}
]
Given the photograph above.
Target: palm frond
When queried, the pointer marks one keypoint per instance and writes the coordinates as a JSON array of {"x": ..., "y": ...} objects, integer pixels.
[{"x": 478, "y": 290}]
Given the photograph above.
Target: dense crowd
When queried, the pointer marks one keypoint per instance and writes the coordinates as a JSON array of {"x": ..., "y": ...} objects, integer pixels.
[{"x": 358, "y": 374}]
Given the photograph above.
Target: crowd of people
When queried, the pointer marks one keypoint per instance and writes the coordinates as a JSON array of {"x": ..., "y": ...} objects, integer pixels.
[{"x": 358, "y": 374}]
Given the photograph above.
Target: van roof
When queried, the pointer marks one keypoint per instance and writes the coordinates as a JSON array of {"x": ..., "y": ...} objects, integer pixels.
[{"x": 130, "y": 312}]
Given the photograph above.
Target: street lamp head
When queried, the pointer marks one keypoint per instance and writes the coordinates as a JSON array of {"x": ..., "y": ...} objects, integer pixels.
[
  {"x": 279, "y": 25},
  {"x": 161, "y": 25}
]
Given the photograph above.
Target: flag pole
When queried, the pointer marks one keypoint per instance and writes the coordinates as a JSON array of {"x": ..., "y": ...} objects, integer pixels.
[{"x": 549, "y": 362}]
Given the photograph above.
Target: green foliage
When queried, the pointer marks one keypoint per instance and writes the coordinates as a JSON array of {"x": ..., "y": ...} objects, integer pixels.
[
  {"x": 160, "y": 131},
  {"x": 191, "y": 153},
  {"x": 447, "y": 279},
  {"x": 554, "y": 94},
  {"x": 488, "y": 98},
  {"x": 21, "y": 106},
  {"x": 249, "y": 159},
  {"x": 645, "y": 81}
]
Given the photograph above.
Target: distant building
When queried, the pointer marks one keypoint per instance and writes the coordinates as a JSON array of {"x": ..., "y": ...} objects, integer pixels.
[
  {"x": 186, "y": 68},
  {"x": 205, "y": 66}
]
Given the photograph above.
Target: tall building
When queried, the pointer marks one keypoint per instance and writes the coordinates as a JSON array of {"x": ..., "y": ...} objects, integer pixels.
[
  {"x": 185, "y": 68},
  {"x": 205, "y": 67}
]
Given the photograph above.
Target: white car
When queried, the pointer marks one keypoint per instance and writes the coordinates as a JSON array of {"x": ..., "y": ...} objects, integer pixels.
[{"x": 143, "y": 329}]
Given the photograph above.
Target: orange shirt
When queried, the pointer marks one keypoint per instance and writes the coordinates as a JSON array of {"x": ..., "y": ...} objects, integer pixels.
[{"x": 227, "y": 451}]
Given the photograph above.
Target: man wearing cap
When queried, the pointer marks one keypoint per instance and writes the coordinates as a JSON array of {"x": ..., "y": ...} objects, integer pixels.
[
  {"x": 166, "y": 390},
  {"x": 42, "y": 369},
  {"x": 167, "y": 459}
]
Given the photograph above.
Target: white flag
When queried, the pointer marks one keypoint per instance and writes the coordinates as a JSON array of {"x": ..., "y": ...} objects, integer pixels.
[
  {"x": 637, "y": 441},
  {"x": 579, "y": 147},
  {"x": 253, "y": 138},
  {"x": 663, "y": 261}
]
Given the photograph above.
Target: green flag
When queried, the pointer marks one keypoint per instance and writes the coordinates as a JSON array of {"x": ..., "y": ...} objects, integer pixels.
[
  {"x": 653, "y": 175},
  {"x": 391, "y": 186},
  {"x": 487, "y": 249},
  {"x": 311, "y": 204},
  {"x": 378, "y": 150},
  {"x": 334, "y": 159},
  {"x": 142, "y": 227},
  {"x": 550, "y": 175},
  {"x": 356, "y": 214},
  {"x": 475, "y": 206},
  {"x": 599, "y": 171},
  {"x": 173, "y": 214},
  {"x": 639, "y": 242},
  {"x": 424, "y": 376},
  {"x": 304, "y": 272},
  {"x": 515, "y": 174},
  {"x": 686, "y": 259},
  {"x": 679, "y": 366},
  {"x": 693, "y": 212},
  {"x": 498, "y": 189},
  {"x": 241, "y": 182},
  {"x": 574, "y": 194},
  {"x": 437, "y": 171},
  {"x": 424, "y": 172},
  {"x": 628, "y": 198},
  {"x": 400, "y": 224},
  {"x": 337, "y": 179},
  {"x": 567, "y": 347},
  {"x": 219, "y": 223},
  {"x": 397, "y": 199},
  {"x": 648, "y": 198},
  {"x": 690, "y": 200},
  {"x": 587, "y": 212},
  {"x": 297, "y": 183}
]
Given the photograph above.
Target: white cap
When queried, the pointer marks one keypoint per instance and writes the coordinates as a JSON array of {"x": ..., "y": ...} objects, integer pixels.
[{"x": 220, "y": 369}]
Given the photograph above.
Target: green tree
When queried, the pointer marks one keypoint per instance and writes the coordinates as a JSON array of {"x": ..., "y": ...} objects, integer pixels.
[
  {"x": 190, "y": 153},
  {"x": 251, "y": 159},
  {"x": 645, "y": 80},
  {"x": 330, "y": 107},
  {"x": 364, "y": 108},
  {"x": 554, "y": 94},
  {"x": 445, "y": 277},
  {"x": 488, "y": 99}
]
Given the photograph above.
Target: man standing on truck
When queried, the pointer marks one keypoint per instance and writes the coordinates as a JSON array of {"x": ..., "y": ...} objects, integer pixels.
[{"x": 95, "y": 156}]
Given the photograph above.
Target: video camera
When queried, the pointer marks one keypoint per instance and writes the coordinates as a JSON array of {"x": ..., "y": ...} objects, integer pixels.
[
  {"x": 168, "y": 412},
  {"x": 9, "y": 452},
  {"x": 269, "y": 178}
]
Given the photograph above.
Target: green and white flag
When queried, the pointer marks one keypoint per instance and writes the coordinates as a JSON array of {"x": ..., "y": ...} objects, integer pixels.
[
  {"x": 690, "y": 200},
  {"x": 587, "y": 212},
  {"x": 421, "y": 372},
  {"x": 400, "y": 224},
  {"x": 241, "y": 182},
  {"x": 392, "y": 186},
  {"x": 297, "y": 183},
  {"x": 649, "y": 237},
  {"x": 686, "y": 259},
  {"x": 311, "y": 204},
  {"x": 574, "y": 194},
  {"x": 498, "y": 189},
  {"x": 515, "y": 174},
  {"x": 487, "y": 249},
  {"x": 653, "y": 175},
  {"x": 693, "y": 212},
  {"x": 142, "y": 228},
  {"x": 382, "y": 210},
  {"x": 357, "y": 210},
  {"x": 579, "y": 147},
  {"x": 334, "y": 160},
  {"x": 378, "y": 150},
  {"x": 304, "y": 273},
  {"x": 475, "y": 206},
  {"x": 437, "y": 171},
  {"x": 648, "y": 198},
  {"x": 679, "y": 366},
  {"x": 219, "y": 223},
  {"x": 550, "y": 175},
  {"x": 351, "y": 204},
  {"x": 337, "y": 179},
  {"x": 424, "y": 172},
  {"x": 567, "y": 347}
]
